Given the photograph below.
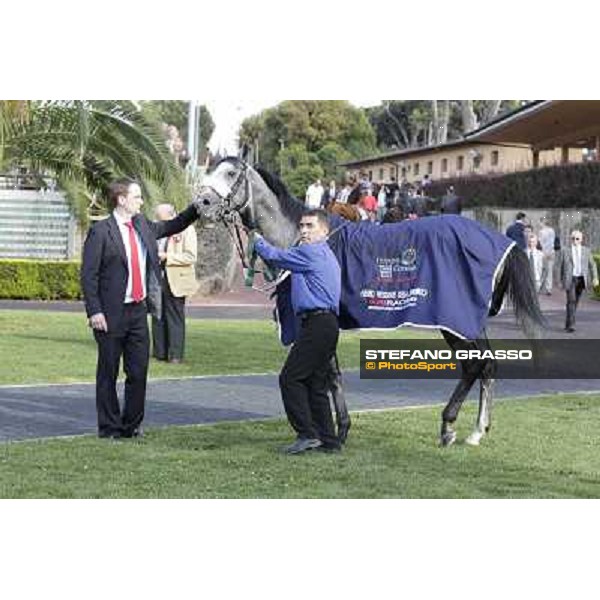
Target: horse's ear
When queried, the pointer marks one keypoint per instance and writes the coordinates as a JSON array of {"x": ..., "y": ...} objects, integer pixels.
[{"x": 244, "y": 152}]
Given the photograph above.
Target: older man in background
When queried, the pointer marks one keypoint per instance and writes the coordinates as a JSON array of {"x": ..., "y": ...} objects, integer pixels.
[
  {"x": 178, "y": 255},
  {"x": 577, "y": 271}
]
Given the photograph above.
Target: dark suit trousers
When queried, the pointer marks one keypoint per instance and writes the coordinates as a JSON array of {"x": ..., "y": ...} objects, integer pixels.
[
  {"x": 168, "y": 333},
  {"x": 132, "y": 342},
  {"x": 304, "y": 379},
  {"x": 573, "y": 295}
]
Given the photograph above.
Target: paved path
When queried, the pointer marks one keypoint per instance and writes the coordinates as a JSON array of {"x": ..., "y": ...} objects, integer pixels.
[
  {"x": 40, "y": 411},
  {"x": 55, "y": 410}
]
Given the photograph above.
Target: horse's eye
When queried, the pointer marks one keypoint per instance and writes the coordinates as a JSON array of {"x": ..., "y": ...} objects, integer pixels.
[{"x": 231, "y": 174}]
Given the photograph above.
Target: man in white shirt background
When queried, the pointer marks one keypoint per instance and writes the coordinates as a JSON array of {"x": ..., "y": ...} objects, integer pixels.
[
  {"x": 536, "y": 260},
  {"x": 314, "y": 195},
  {"x": 547, "y": 237},
  {"x": 577, "y": 271}
]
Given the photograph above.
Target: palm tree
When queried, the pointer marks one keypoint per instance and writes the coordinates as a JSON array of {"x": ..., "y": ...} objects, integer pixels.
[{"x": 86, "y": 144}]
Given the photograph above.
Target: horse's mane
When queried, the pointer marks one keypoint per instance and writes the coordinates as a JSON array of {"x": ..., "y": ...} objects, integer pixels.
[{"x": 291, "y": 207}]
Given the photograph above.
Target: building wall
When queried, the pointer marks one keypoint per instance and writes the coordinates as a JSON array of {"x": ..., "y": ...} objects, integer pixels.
[{"x": 440, "y": 164}]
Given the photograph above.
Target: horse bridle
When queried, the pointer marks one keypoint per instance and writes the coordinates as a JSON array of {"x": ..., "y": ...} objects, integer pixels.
[
  {"x": 228, "y": 208},
  {"x": 230, "y": 213}
]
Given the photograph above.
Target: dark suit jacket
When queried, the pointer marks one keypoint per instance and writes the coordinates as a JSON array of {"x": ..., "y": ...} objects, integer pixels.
[
  {"x": 516, "y": 232},
  {"x": 104, "y": 270},
  {"x": 451, "y": 205}
]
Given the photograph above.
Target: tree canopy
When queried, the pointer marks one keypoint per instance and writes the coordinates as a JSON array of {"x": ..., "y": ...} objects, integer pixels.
[
  {"x": 85, "y": 144},
  {"x": 305, "y": 139},
  {"x": 414, "y": 123}
]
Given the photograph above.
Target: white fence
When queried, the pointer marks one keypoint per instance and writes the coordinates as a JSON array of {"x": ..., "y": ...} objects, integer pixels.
[{"x": 35, "y": 224}]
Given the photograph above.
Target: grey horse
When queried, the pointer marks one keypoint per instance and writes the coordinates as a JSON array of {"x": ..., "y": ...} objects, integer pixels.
[{"x": 262, "y": 202}]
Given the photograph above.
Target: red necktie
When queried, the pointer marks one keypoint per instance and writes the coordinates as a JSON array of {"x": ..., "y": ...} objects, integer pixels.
[{"x": 137, "y": 289}]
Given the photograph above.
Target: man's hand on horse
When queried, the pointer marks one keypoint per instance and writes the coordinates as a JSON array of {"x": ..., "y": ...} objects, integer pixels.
[
  {"x": 256, "y": 236},
  {"x": 98, "y": 322}
]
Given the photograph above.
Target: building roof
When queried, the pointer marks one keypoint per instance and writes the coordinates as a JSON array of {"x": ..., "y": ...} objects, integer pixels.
[
  {"x": 545, "y": 124},
  {"x": 540, "y": 124},
  {"x": 399, "y": 154}
]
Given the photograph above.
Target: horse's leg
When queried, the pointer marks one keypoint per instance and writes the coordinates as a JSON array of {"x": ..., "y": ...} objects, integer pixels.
[
  {"x": 486, "y": 395},
  {"x": 471, "y": 370},
  {"x": 342, "y": 417},
  {"x": 484, "y": 420}
]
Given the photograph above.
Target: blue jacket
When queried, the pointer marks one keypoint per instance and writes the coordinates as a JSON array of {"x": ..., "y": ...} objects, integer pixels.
[
  {"x": 316, "y": 275},
  {"x": 516, "y": 232}
]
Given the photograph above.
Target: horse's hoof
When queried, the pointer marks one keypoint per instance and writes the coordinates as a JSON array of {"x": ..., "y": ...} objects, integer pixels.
[
  {"x": 343, "y": 431},
  {"x": 447, "y": 439},
  {"x": 474, "y": 439}
]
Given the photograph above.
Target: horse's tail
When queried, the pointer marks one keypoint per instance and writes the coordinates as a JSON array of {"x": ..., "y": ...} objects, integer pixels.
[{"x": 517, "y": 284}]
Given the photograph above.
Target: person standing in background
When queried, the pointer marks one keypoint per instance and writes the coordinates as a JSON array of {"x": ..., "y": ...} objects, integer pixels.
[
  {"x": 314, "y": 195},
  {"x": 547, "y": 237},
  {"x": 576, "y": 267},
  {"x": 178, "y": 255},
  {"x": 516, "y": 231},
  {"x": 536, "y": 260}
]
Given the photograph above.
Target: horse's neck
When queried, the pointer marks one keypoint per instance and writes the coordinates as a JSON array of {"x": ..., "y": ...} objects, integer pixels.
[{"x": 268, "y": 218}]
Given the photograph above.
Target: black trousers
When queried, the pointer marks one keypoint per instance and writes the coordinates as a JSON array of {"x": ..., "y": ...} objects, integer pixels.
[
  {"x": 168, "y": 333},
  {"x": 304, "y": 379},
  {"x": 573, "y": 295},
  {"x": 132, "y": 342}
]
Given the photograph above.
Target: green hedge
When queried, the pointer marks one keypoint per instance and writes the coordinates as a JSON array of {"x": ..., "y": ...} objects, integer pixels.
[
  {"x": 562, "y": 186},
  {"x": 39, "y": 279}
]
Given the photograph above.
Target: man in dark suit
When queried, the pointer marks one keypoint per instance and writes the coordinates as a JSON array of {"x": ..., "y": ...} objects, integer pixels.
[
  {"x": 516, "y": 231},
  {"x": 120, "y": 275},
  {"x": 451, "y": 204},
  {"x": 576, "y": 267}
]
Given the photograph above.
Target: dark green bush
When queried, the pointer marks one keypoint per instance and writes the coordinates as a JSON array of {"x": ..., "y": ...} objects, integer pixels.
[
  {"x": 562, "y": 186},
  {"x": 39, "y": 279}
]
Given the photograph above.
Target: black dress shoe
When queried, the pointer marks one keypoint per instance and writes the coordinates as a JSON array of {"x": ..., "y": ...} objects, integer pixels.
[
  {"x": 302, "y": 445},
  {"x": 570, "y": 329}
]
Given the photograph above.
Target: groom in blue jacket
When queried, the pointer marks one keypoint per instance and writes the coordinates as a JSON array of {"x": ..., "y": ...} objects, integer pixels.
[{"x": 316, "y": 288}]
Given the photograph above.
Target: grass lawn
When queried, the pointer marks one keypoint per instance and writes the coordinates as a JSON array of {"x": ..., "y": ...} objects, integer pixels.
[
  {"x": 542, "y": 448},
  {"x": 54, "y": 347}
]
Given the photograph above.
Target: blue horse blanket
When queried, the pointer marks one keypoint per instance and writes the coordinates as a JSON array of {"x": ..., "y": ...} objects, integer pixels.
[{"x": 435, "y": 272}]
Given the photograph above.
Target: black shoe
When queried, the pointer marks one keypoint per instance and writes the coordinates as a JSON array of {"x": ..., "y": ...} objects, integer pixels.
[
  {"x": 570, "y": 329},
  {"x": 302, "y": 445}
]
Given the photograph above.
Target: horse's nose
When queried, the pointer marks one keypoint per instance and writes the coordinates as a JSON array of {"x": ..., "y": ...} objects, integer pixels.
[{"x": 206, "y": 202}]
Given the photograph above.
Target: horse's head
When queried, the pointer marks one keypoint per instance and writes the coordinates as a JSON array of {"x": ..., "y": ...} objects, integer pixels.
[{"x": 225, "y": 190}]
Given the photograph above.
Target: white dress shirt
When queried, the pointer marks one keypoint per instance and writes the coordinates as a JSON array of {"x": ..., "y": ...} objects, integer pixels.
[
  {"x": 124, "y": 229},
  {"x": 577, "y": 266}
]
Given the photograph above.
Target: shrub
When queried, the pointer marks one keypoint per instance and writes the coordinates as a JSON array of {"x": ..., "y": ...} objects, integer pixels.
[
  {"x": 562, "y": 186},
  {"x": 39, "y": 279}
]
